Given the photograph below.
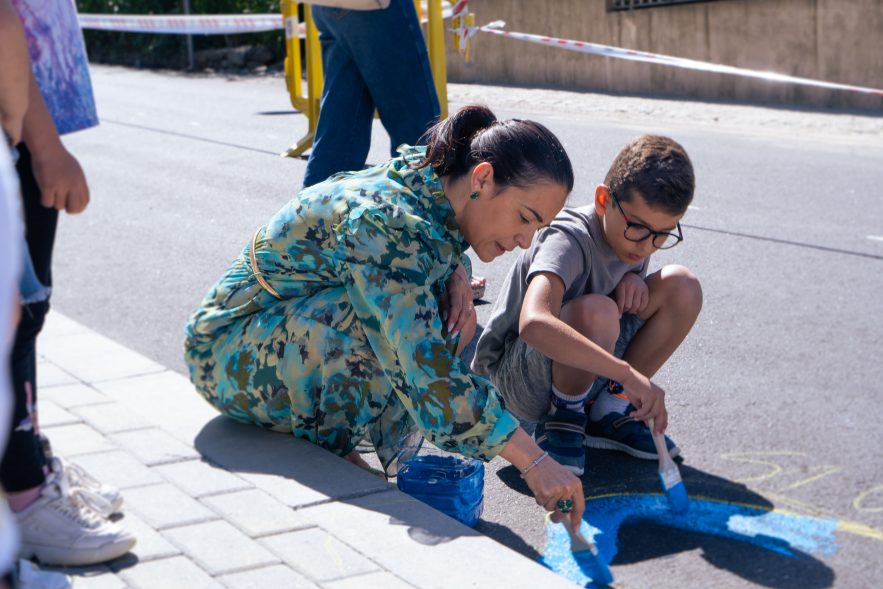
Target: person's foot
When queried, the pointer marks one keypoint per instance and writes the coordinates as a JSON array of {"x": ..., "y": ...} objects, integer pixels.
[
  {"x": 60, "y": 528},
  {"x": 27, "y": 575},
  {"x": 479, "y": 285},
  {"x": 562, "y": 435},
  {"x": 618, "y": 431},
  {"x": 355, "y": 457},
  {"x": 102, "y": 498}
]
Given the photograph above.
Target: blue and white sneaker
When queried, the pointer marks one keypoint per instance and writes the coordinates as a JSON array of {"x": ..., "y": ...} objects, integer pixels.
[
  {"x": 563, "y": 435},
  {"x": 619, "y": 431}
]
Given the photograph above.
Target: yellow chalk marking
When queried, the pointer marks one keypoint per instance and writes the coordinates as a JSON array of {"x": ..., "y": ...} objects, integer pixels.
[{"x": 857, "y": 502}]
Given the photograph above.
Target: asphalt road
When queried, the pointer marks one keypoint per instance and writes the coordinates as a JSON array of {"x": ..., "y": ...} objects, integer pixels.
[{"x": 774, "y": 397}]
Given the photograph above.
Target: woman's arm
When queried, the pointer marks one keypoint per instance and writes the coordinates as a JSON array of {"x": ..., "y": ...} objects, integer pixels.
[
  {"x": 387, "y": 275},
  {"x": 58, "y": 173},
  {"x": 548, "y": 480}
]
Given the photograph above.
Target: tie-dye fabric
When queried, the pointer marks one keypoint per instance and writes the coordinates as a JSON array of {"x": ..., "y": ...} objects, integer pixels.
[
  {"x": 58, "y": 58},
  {"x": 355, "y": 344}
]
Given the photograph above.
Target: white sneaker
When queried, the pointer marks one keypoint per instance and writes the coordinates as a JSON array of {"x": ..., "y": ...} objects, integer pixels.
[
  {"x": 60, "y": 528},
  {"x": 102, "y": 498},
  {"x": 28, "y": 576}
]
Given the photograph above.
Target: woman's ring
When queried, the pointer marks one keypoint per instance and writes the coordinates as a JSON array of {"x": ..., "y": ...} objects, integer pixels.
[{"x": 565, "y": 505}]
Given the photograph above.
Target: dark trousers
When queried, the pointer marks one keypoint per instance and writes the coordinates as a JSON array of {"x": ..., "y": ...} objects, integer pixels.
[
  {"x": 371, "y": 59},
  {"x": 23, "y": 459}
]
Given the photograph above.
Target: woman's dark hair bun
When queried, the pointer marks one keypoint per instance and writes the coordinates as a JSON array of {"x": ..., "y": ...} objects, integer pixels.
[
  {"x": 522, "y": 153},
  {"x": 449, "y": 141}
]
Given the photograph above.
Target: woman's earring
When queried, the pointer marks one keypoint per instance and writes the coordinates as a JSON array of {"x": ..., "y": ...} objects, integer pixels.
[{"x": 475, "y": 195}]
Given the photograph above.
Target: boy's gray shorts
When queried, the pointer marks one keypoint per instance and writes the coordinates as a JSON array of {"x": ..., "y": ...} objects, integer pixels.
[{"x": 524, "y": 375}]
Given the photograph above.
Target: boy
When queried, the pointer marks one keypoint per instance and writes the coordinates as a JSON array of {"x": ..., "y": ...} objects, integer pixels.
[{"x": 578, "y": 319}]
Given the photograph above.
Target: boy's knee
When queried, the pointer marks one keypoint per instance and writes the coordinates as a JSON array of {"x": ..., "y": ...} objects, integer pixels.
[
  {"x": 594, "y": 316},
  {"x": 684, "y": 287}
]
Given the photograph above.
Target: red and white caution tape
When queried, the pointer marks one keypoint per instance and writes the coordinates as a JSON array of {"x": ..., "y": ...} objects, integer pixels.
[
  {"x": 460, "y": 8},
  {"x": 215, "y": 24},
  {"x": 643, "y": 56}
]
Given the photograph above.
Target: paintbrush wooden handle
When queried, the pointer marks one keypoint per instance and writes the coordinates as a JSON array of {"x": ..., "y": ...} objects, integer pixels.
[{"x": 661, "y": 450}]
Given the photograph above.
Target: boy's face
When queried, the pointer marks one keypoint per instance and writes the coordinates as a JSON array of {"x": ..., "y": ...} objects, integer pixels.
[{"x": 615, "y": 220}]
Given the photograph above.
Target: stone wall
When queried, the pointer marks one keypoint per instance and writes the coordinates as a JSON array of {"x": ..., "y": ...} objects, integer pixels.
[{"x": 832, "y": 40}]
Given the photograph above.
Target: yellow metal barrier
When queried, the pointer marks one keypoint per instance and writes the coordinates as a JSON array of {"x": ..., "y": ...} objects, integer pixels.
[{"x": 308, "y": 103}]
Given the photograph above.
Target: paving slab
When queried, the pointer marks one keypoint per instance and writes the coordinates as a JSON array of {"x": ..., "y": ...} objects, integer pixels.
[
  {"x": 256, "y": 513},
  {"x": 51, "y": 414},
  {"x": 198, "y": 478},
  {"x": 154, "y": 446},
  {"x": 432, "y": 541},
  {"x": 94, "y": 358},
  {"x": 71, "y": 395},
  {"x": 319, "y": 555},
  {"x": 98, "y": 580},
  {"x": 219, "y": 548},
  {"x": 72, "y": 440},
  {"x": 110, "y": 418},
  {"x": 164, "y": 506},
  {"x": 168, "y": 573},
  {"x": 274, "y": 576},
  {"x": 383, "y": 580},
  {"x": 118, "y": 468},
  {"x": 50, "y": 375},
  {"x": 152, "y": 395},
  {"x": 151, "y": 544}
]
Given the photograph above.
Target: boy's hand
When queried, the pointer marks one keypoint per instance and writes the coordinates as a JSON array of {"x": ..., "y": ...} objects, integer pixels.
[
  {"x": 61, "y": 180},
  {"x": 456, "y": 303},
  {"x": 648, "y": 398},
  {"x": 631, "y": 294}
]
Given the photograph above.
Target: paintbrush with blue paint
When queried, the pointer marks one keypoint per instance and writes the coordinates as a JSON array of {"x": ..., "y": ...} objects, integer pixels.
[
  {"x": 585, "y": 553},
  {"x": 669, "y": 475}
]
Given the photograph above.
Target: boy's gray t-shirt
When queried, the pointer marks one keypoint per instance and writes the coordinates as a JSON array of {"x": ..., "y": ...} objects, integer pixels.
[{"x": 572, "y": 247}]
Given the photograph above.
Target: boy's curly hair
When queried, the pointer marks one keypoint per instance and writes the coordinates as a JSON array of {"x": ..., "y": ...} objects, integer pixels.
[{"x": 656, "y": 167}]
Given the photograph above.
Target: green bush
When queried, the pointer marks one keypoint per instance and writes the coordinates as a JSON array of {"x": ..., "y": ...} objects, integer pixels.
[{"x": 169, "y": 51}]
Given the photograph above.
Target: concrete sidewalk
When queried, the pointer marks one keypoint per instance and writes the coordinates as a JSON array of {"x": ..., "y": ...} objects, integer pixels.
[{"x": 218, "y": 504}]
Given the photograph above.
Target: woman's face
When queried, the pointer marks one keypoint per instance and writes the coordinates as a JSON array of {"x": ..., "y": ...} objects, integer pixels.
[{"x": 498, "y": 223}]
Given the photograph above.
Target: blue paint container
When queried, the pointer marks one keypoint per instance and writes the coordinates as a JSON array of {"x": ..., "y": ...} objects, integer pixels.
[{"x": 451, "y": 485}]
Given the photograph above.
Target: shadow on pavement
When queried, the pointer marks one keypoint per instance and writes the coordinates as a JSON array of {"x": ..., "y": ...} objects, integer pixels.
[
  {"x": 301, "y": 474},
  {"x": 764, "y": 560}
]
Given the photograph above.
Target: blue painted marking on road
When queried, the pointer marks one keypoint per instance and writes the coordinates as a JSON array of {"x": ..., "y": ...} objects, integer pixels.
[{"x": 780, "y": 532}]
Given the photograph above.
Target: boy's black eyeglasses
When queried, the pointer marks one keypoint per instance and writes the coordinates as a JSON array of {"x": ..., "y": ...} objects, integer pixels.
[{"x": 662, "y": 240}]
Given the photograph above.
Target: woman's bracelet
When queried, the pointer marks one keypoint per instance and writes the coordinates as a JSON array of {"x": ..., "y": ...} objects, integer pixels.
[{"x": 533, "y": 464}]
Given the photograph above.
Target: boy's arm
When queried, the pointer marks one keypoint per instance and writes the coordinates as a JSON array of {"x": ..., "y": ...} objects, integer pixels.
[
  {"x": 540, "y": 327},
  {"x": 14, "y": 71},
  {"x": 58, "y": 173}
]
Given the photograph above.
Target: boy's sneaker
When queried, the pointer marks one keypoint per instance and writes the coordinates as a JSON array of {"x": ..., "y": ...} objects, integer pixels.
[
  {"x": 562, "y": 435},
  {"x": 104, "y": 499},
  {"x": 619, "y": 431},
  {"x": 60, "y": 528}
]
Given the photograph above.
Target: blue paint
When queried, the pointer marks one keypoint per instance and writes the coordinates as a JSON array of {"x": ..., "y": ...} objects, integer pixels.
[
  {"x": 783, "y": 533},
  {"x": 676, "y": 495}
]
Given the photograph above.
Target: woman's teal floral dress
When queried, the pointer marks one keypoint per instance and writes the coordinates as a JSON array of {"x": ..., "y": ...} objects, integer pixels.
[{"x": 354, "y": 343}]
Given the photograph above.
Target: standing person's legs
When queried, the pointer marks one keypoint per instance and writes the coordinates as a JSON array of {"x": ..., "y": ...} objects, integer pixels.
[
  {"x": 389, "y": 50},
  {"x": 55, "y": 528},
  {"x": 343, "y": 134},
  {"x": 23, "y": 460}
]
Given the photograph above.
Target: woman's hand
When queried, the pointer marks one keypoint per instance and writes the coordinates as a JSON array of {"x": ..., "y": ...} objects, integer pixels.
[
  {"x": 631, "y": 294},
  {"x": 648, "y": 398},
  {"x": 550, "y": 483},
  {"x": 456, "y": 303}
]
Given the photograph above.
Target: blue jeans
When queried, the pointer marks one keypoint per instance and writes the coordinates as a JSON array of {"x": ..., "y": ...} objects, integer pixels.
[{"x": 374, "y": 59}]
